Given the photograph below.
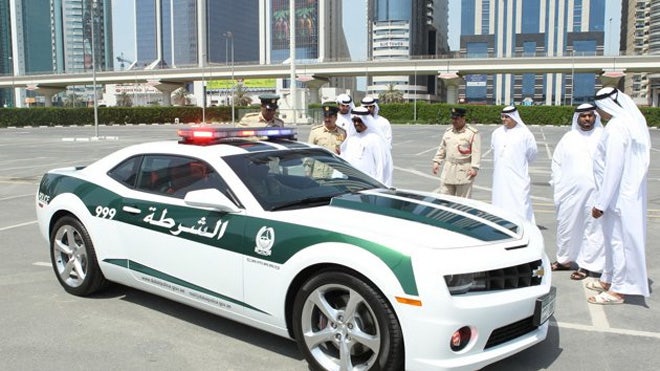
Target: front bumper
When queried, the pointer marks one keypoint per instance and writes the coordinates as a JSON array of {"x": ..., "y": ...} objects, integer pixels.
[{"x": 502, "y": 324}]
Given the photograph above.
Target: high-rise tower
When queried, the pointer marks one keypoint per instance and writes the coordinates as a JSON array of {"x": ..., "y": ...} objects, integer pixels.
[
  {"x": 514, "y": 28},
  {"x": 57, "y": 36},
  {"x": 407, "y": 29},
  {"x": 640, "y": 34}
]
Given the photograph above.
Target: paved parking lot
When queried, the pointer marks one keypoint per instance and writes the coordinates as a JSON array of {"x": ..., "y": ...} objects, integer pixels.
[{"x": 45, "y": 328}]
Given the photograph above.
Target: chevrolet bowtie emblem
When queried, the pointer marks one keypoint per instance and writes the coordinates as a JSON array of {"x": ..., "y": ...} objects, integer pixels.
[{"x": 538, "y": 272}]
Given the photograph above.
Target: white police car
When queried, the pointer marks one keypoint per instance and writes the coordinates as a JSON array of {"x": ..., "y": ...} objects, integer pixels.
[{"x": 289, "y": 238}]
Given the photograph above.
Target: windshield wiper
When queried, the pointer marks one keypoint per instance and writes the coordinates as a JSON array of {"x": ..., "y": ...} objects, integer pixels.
[{"x": 311, "y": 201}]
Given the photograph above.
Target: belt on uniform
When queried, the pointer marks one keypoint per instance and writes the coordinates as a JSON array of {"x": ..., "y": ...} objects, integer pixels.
[{"x": 458, "y": 162}]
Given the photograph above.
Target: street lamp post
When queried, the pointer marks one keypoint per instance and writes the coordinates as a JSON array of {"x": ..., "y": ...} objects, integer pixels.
[
  {"x": 203, "y": 89},
  {"x": 415, "y": 96},
  {"x": 135, "y": 88},
  {"x": 572, "y": 75},
  {"x": 292, "y": 58},
  {"x": 96, "y": 105},
  {"x": 610, "y": 37},
  {"x": 229, "y": 35},
  {"x": 12, "y": 90}
]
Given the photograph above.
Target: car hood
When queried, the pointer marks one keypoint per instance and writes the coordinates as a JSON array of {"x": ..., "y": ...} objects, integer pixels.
[{"x": 412, "y": 218}]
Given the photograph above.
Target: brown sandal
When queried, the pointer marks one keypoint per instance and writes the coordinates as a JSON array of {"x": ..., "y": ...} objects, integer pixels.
[
  {"x": 557, "y": 266},
  {"x": 580, "y": 274}
]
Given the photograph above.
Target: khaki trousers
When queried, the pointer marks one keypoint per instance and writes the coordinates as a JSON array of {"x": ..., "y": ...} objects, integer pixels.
[{"x": 460, "y": 190}]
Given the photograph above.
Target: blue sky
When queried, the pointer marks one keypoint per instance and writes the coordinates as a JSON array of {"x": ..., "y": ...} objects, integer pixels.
[
  {"x": 123, "y": 28},
  {"x": 354, "y": 12}
]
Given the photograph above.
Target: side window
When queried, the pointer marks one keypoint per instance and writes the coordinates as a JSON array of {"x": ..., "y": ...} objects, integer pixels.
[
  {"x": 154, "y": 174},
  {"x": 175, "y": 176},
  {"x": 126, "y": 172}
]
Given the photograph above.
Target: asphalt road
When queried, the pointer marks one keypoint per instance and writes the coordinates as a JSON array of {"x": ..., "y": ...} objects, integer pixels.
[{"x": 42, "y": 327}]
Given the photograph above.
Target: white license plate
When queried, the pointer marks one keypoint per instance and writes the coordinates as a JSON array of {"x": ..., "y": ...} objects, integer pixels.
[{"x": 545, "y": 307}]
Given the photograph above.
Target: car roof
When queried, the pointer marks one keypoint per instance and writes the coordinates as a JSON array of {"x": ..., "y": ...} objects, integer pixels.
[
  {"x": 213, "y": 148},
  {"x": 219, "y": 149}
]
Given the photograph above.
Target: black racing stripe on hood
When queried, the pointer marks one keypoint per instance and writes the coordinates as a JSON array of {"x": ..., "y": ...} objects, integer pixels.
[
  {"x": 513, "y": 227},
  {"x": 414, "y": 211}
]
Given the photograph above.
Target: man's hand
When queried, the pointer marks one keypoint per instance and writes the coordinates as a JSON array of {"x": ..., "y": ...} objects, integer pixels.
[
  {"x": 436, "y": 166},
  {"x": 596, "y": 213},
  {"x": 472, "y": 173}
]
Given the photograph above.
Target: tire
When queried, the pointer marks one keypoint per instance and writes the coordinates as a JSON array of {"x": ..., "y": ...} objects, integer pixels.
[
  {"x": 74, "y": 259},
  {"x": 355, "y": 329}
]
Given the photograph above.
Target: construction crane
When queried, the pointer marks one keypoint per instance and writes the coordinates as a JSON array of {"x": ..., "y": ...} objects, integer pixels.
[{"x": 123, "y": 60}]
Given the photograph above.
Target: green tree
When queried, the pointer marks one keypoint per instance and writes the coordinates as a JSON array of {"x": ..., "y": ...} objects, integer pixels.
[{"x": 391, "y": 95}]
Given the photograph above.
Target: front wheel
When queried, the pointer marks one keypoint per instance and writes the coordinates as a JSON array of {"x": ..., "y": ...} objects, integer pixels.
[
  {"x": 74, "y": 259},
  {"x": 342, "y": 323}
]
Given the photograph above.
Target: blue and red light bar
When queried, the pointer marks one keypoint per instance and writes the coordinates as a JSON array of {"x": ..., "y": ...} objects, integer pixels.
[{"x": 210, "y": 135}]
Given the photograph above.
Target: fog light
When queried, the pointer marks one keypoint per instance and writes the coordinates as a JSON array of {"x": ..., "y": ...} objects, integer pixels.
[{"x": 460, "y": 338}]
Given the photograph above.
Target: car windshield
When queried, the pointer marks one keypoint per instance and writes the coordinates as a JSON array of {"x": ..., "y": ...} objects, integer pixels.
[{"x": 292, "y": 179}]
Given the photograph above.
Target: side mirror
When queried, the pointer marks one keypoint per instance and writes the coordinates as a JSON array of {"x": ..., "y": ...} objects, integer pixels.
[{"x": 210, "y": 198}]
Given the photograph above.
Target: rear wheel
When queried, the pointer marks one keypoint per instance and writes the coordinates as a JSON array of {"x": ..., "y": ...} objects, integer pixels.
[
  {"x": 342, "y": 323},
  {"x": 74, "y": 259}
]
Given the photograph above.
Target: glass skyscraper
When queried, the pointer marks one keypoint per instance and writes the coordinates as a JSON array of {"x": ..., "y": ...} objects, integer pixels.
[
  {"x": 233, "y": 23},
  {"x": 166, "y": 33},
  {"x": 6, "y": 59},
  {"x": 53, "y": 37},
  {"x": 517, "y": 28},
  {"x": 404, "y": 29}
]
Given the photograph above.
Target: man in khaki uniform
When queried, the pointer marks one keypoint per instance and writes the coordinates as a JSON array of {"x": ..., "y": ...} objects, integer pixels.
[
  {"x": 267, "y": 115},
  {"x": 328, "y": 135},
  {"x": 460, "y": 150}
]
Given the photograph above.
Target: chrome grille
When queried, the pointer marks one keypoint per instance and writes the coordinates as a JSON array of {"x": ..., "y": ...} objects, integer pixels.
[{"x": 514, "y": 277}]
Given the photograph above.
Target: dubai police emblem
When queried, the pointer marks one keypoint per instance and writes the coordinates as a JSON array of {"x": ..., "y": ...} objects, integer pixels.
[{"x": 264, "y": 241}]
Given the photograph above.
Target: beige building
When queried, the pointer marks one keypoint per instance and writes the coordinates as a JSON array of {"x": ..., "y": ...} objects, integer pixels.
[{"x": 640, "y": 34}]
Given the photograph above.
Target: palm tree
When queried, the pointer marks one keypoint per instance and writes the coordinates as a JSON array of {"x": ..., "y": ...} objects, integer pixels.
[
  {"x": 72, "y": 100},
  {"x": 124, "y": 100},
  {"x": 241, "y": 97},
  {"x": 391, "y": 95},
  {"x": 180, "y": 97}
]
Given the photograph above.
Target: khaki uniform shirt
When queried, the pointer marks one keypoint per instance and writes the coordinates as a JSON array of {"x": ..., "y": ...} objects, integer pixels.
[
  {"x": 461, "y": 151},
  {"x": 330, "y": 139},
  {"x": 256, "y": 120}
]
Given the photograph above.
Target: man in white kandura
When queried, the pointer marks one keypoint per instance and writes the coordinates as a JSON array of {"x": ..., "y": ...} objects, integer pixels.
[
  {"x": 621, "y": 168},
  {"x": 579, "y": 236},
  {"x": 345, "y": 105},
  {"x": 382, "y": 124},
  {"x": 367, "y": 150},
  {"x": 514, "y": 149}
]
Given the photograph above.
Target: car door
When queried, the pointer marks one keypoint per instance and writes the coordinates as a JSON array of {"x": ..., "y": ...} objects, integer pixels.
[{"x": 180, "y": 249}]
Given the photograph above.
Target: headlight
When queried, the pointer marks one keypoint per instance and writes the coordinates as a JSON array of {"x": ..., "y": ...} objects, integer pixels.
[{"x": 459, "y": 283}]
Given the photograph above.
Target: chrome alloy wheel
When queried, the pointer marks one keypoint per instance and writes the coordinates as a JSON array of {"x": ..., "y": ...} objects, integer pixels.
[
  {"x": 70, "y": 255},
  {"x": 340, "y": 329}
]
